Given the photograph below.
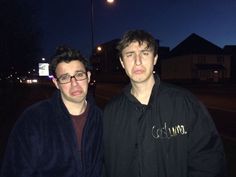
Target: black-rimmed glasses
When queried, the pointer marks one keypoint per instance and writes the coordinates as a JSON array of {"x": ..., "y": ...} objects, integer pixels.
[{"x": 66, "y": 78}]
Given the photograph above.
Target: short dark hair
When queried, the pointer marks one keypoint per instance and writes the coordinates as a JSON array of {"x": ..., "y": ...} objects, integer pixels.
[
  {"x": 66, "y": 54},
  {"x": 139, "y": 36}
]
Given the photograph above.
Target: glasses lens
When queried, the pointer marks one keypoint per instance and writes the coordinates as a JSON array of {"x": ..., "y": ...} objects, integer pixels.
[
  {"x": 80, "y": 76},
  {"x": 64, "y": 79}
]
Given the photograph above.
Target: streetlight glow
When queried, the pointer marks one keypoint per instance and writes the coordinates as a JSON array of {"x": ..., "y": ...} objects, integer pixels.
[
  {"x": 99, "y": 48},
  {"x": 110, "y": 1}
]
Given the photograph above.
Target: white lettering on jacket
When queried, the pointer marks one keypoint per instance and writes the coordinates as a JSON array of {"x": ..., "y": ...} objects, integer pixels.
[{"x": 167, "y": 132}]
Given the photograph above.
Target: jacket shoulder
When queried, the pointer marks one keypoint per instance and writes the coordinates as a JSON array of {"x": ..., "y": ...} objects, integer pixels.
[
  {"x": 34, "y": 114},
  {"x": 176, "y": 91}
]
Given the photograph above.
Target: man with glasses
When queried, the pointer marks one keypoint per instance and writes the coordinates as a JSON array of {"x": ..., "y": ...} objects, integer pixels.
[{"x": 60, "y": 136}]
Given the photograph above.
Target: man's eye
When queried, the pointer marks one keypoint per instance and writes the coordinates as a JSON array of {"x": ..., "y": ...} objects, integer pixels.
[
  {"x": 145, "y": 53},
  {"x": 66, "y": 77},
  {"x": 79, "y": 75},
  {"x": 129, "y": 55}
]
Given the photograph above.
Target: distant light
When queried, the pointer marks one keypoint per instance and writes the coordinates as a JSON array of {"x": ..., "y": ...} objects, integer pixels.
[
  {"x": 99, "y": 48},
  {"x": 110, "y": 1},
  {"x": 31, "y": 81},
  {"x": 92, "y": 83},
  {"x": 43, "y": 59},
  {"x": 215, "y": 72}
]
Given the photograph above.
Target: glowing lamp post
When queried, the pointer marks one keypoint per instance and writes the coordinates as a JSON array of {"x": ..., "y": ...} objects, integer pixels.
[{"x": 92, "y": 22}]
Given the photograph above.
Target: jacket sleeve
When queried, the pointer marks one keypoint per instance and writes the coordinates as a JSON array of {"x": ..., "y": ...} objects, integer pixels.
[
  {"x": 206, "y": 153},
  {"x": 19, "y": 159}
]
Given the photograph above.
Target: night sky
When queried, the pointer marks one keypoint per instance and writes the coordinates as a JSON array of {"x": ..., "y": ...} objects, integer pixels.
[{"x": 170, "y": 21}]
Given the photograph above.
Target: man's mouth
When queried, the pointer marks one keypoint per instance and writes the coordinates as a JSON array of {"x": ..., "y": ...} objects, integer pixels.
[
  {"x": 138, "y": 71},
  {"x": 77, "y": 92}
]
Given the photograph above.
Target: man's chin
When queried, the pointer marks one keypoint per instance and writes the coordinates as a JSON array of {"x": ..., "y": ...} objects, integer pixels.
[{"x": 138, "y": 80}]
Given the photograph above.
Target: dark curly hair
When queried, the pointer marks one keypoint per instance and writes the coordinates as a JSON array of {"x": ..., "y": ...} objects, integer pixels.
[{"x": 66, "y": 54}]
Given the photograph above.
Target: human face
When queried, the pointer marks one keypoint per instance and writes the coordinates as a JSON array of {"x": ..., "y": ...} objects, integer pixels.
[
  {"x": 74, "y": 91},
  {"x": 138, "y": 61}
]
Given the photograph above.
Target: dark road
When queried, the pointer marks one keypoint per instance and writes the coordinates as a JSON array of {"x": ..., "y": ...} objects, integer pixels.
[{"x": 225, "y": 121}]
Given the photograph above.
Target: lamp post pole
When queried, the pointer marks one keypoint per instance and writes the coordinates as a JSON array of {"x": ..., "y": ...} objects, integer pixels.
[
  {"x": 92, "y": 26},
  {"x": 92, "y": 22}
]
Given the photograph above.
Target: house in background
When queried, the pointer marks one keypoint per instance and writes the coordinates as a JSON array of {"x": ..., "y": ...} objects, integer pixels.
[
  {"x": 196, "y": 59},
  {"x": 163, "y": 53},
  {"x": 231, "y": 50},
  {"x": 106, "y": 64},
  {"x": 105, "y": 58}
]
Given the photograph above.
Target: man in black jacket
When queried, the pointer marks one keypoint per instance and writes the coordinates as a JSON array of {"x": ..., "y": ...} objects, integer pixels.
[
  {"x": 61, "y": 136},
  {"x": 154, "y": 129}
]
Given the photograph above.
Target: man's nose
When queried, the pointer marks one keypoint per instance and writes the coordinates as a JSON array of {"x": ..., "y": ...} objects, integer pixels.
[
  {"x": 138, "y": 59},
  {"x": 73, "y": 81}
]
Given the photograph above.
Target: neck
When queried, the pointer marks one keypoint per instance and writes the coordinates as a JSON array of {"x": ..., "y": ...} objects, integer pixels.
[
  {"x": 142, "y": 91},
  {"x": 77, "y": 108}
]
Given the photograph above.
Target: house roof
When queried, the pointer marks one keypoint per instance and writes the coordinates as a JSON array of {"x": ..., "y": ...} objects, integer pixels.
[
  {"x": 195, "y": 44},
  {"x": 230, "y": 49}
]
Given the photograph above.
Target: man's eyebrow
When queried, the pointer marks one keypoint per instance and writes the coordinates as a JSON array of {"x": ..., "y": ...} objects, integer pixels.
[
  {"x": 65, "y": 74},
  {"x": 148, "y": 48},
  {"x": 128, "y": 52}
]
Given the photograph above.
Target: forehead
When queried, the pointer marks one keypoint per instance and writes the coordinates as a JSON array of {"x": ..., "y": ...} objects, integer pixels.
[
  {"x": 70, "y": 67},
  {"x": 135, "y": 45}
]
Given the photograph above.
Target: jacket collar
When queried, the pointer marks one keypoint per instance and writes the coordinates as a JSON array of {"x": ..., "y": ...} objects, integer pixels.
[{"x": 155, "y": 91}]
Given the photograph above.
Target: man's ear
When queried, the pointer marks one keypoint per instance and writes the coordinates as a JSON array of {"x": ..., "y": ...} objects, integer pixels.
[
  {"x": 54, "y": 80},
  {"x": 121, "y": 62},
  {"x": 88, "y": 75},
  {"x": 155, "y": 59}
]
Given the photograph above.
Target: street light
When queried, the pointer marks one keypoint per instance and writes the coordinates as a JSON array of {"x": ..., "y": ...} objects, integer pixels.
[
  {"x": 110, "y": 1},
  {"x": 92, "y": 22},
  {"x": 99, "y": 48}
]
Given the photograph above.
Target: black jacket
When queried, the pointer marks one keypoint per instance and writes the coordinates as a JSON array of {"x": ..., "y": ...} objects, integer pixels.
[
  {"x": 172, "y": 136},
  {"x": 43, "y": 143}
]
